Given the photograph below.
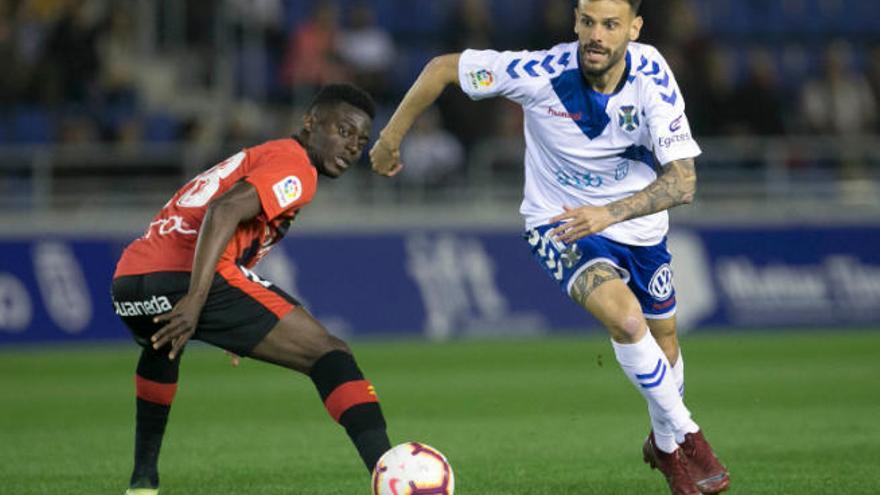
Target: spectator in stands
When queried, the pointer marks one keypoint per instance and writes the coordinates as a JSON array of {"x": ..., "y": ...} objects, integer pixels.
[
  {"x": 259, "y": 29},
  {"x": 873, "y": 73},
  {"x": 555, "y": 27},
  {"x": 8, "y": 57},
  {"x": 32, "y": 23},
  {"x": 470, "y": 27},
  {"x": 118, "y": 59},
  {"x": 708, "y": 81},
  {"x": 310, "y": 60},
  {"x": 72, "y": 50},
  {"x": 432, "y": 154},
  {"x": 839, "y": 102},
  {"x": 368, "y": 50},
  {"x": 757, "y": 105}
]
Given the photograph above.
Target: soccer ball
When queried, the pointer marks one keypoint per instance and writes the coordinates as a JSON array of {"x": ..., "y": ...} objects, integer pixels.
[{"x": 413, "y": 469}]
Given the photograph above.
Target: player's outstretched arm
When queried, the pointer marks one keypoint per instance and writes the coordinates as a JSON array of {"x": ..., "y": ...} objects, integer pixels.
[
  {"x": 676, "y": 185},
  {"x": 239, "y": 204},
  {"x": 439, "y": 73}
]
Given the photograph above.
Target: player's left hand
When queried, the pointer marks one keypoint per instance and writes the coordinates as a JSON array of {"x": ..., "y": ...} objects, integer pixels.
[
  {"x": 581, "y": 222},
  {"x": 179, "y": 324},
  {"x": 385, "y": 158}
]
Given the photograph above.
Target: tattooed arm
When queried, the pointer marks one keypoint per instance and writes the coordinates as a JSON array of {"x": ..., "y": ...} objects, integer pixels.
[{"x": 675, "y": 186}]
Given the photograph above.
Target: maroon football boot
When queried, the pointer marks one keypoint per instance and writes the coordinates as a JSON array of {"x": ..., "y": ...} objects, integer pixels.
[
  {"x": 673, "y": 466},
  {"x": 704, "y": 468}
]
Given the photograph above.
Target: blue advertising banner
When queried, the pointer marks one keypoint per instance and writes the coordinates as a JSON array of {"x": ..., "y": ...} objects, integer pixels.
[
  {"x": 451, "y": 283},
  {"x": 783, "y": 276}
]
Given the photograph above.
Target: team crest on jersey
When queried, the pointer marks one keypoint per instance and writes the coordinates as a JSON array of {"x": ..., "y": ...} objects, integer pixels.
[
  {"x": 288, "y": 190},
  {"x": 628, "y": 118},
  {"x": 481, "y": 78},
  {"x": 661, "y": 283}
]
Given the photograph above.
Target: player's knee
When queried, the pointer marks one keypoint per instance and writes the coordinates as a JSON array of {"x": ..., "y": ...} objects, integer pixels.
[
  {"x": 629, "y": 328},
  {"x": 325, "y": 346},
  {"x": 336, "y": 344}
]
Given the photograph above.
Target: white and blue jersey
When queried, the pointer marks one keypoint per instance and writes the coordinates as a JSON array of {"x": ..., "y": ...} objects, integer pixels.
[
  {"x": 584, "y": 147},
  {"x": 588, "y": 148}
]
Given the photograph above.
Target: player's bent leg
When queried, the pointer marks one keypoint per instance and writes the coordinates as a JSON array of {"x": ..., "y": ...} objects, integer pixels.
[
  {"x": 644, "y": 363},
  {"x": 664, "y": 332},
  {"x": 606, "y": 296},
  {"x": 296, "y": 342},
  {"x": 300, "y": 343},
  {"x": 703, "y": 466},
  {"x": 601, "y": 291},
  {"x": 661, "y": 433},
  {"x": 156, "y": 385}
]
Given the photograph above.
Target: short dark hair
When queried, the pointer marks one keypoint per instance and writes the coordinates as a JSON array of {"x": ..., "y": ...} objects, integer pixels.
[
  {"x": 634, "y": 4},
  {"x": 347, "y": 93}
]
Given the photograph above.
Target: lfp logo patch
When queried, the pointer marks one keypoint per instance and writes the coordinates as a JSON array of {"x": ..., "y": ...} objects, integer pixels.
[
  {"x": 481, "y": 79},
  {"x": 288, "y": 191},
  {"x": 628, "y": 118}
]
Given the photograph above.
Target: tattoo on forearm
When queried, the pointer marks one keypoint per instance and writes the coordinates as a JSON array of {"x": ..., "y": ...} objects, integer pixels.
[
  {"x": 590, "y": 280},
  {"x": 674, "y": 187}
]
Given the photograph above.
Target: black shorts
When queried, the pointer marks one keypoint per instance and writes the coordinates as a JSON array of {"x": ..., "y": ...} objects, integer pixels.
[{"x": 240, "y": 309}]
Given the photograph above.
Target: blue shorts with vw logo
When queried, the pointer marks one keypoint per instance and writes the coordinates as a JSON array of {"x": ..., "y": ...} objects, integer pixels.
[{"x": 645, "y": 269}]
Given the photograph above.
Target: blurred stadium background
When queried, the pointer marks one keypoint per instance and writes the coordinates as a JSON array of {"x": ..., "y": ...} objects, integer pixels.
[{"x": 107, "y": 107}]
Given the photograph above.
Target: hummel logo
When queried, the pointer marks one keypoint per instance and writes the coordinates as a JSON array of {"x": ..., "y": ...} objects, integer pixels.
[{"x": 572, "y": 116}]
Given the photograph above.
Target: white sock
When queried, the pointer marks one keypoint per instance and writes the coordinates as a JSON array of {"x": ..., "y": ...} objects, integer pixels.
[
  {"x": 678, "y": 373},
  {"x": 664, "y": 437},
  {"x": 648, "y": 369}
]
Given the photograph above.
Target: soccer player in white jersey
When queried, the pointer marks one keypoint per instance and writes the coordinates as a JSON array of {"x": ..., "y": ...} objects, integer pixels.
[{"x": 608, "y": 151}]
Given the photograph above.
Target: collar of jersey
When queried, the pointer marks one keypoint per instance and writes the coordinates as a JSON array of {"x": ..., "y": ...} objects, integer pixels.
[
  {"x": 624, "y": 77},
  {"x": 587, "y": 107}
]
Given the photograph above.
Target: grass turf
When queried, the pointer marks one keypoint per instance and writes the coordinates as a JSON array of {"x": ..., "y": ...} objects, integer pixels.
[{"x": 789, "y": 413}]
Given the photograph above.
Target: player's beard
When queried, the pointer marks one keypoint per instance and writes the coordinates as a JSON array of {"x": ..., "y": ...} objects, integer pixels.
[{"x": 614, "y": 56}]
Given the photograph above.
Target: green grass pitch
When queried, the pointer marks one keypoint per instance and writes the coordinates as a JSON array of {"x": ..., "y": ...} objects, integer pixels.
[{"x": 789, "y": 413}]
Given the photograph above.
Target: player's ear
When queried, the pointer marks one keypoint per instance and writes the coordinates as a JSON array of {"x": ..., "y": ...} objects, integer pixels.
[
  {"x": 309, "y": 121},
  {"x": 636, "y": 28}
]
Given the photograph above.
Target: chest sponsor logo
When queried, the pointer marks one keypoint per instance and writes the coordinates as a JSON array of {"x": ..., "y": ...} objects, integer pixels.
[
  {"x": 288, "y": 190},
  {"x": 481, "y": 79},
  {"x": 148, "y": 307},
  {"x": 670, "y": 141},
  {"x": 628, "y": 118},
  {"x": 578, "y": 179}
]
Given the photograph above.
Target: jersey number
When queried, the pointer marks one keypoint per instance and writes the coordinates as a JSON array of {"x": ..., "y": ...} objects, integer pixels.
[{"x": 205, "y": 185}]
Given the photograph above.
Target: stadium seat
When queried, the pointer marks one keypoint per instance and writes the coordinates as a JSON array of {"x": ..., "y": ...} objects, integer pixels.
[
  {"x": 33, "y": 125},
  {"x": 410, "y": 62},
  {"x": 161, "y": 127},
  {"x": 295, "y": 13},
  {"x": 5, "y": 136}
]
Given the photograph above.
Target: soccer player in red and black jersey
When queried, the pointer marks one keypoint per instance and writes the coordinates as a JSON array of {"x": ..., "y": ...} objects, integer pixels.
[{"x": 189, "y": 277}]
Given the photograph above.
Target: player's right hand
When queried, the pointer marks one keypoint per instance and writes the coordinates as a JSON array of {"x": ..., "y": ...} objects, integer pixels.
[
  {"x": 234, "y": 358},
  {"x": 385, "y": 157},
  {"x": 179, "y": 325}
]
